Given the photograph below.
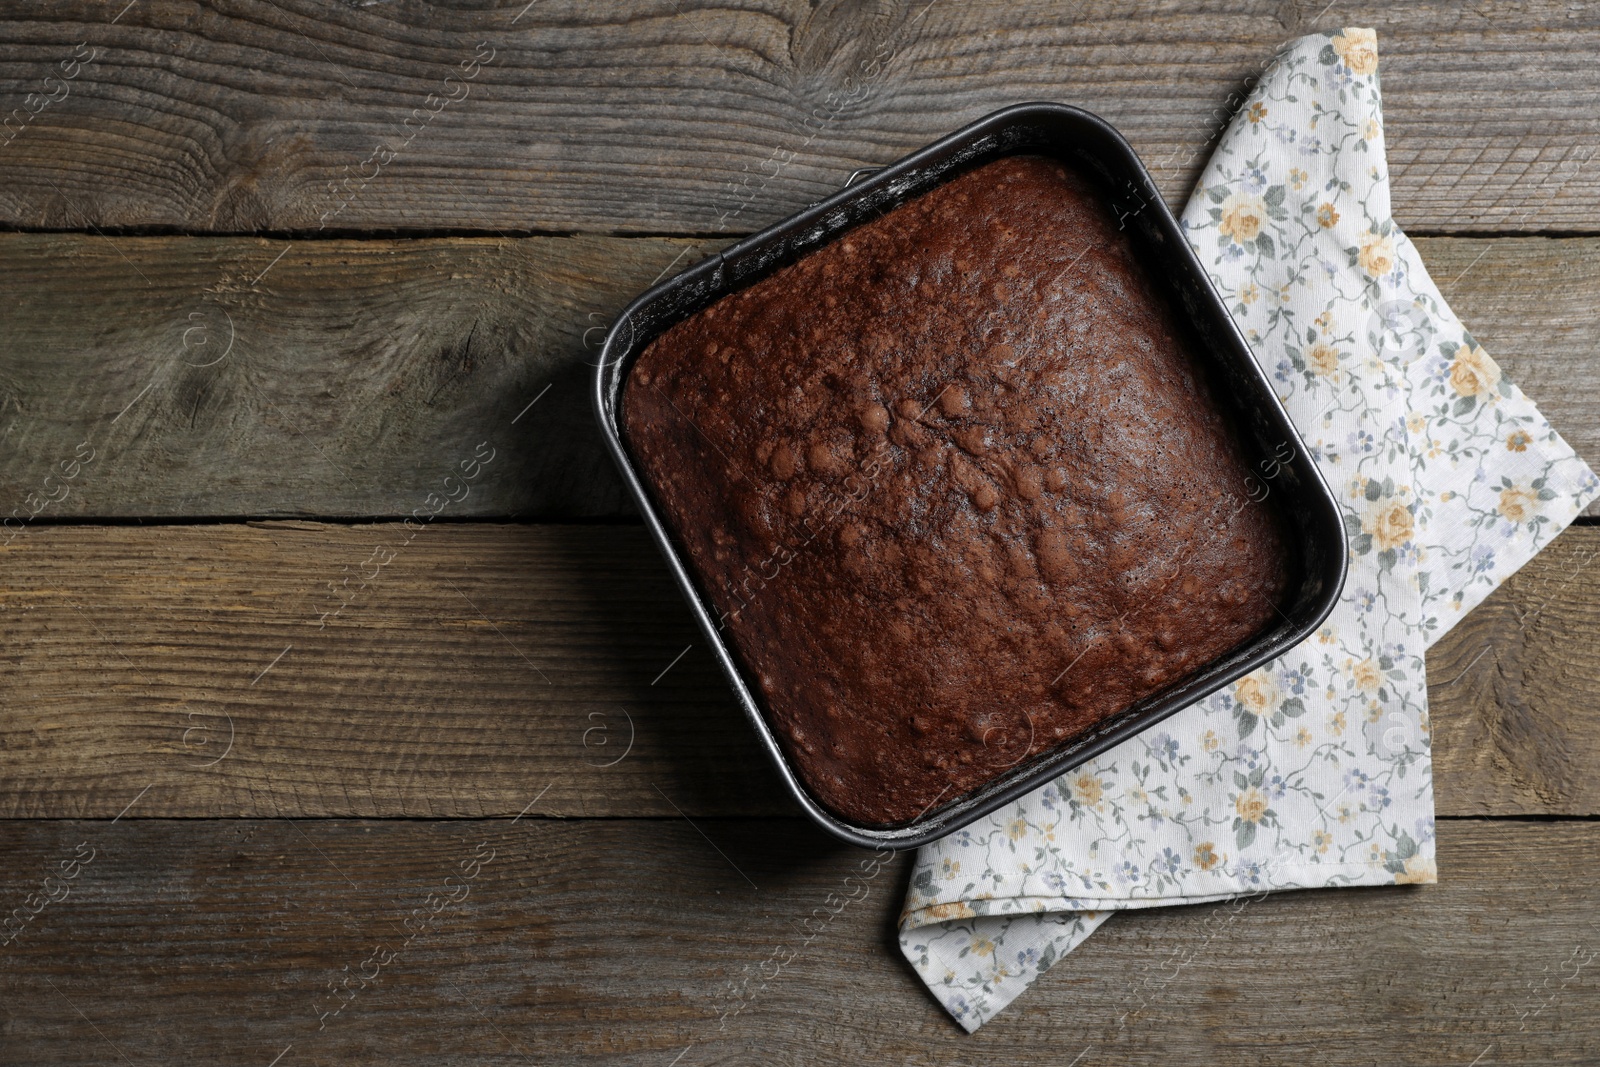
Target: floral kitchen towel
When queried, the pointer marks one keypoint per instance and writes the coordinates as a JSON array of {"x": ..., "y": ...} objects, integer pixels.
[{"x": 1315, "y": 770}]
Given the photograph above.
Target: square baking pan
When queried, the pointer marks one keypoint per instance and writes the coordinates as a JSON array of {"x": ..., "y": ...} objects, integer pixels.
[{"x": 1281, "y": 465}]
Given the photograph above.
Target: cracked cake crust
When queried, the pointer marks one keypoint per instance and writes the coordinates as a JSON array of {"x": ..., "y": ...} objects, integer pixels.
[{"x": 957, "y": 488}]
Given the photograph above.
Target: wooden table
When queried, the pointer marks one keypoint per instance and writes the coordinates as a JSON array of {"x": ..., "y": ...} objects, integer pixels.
[{"x": 259, "y": 738}]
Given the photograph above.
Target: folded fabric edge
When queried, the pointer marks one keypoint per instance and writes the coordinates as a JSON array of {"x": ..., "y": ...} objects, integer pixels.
[
  {"x": 1580, "y": 485},
  {"x": 1060, "y": 925},
  {"x": 1054, "y": 935},
  {"x": 1310, "y": 876}
]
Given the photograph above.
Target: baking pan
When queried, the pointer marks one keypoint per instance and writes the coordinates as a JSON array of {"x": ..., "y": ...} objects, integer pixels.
[{"x": 1282, "y": 467}]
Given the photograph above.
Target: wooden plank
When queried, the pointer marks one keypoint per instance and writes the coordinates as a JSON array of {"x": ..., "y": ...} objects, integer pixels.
[
  {"x": 482, "y": 664},
  {"x": 1512, "y": 690},
  {"x": 470, "y": 668},
  {"x": 361, "y": 370},
  {"x": 330, "y": 378},
  {"x": 637, "y": 942},
  {"x": 715, "y": 118}
]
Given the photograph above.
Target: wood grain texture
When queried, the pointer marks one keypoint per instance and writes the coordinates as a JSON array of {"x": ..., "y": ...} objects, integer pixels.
[
  {"x": 487, "y": 663},
  {"x": 624, "y": 942},
  {"x": 331, "y": 378},
  {"x": 361, "y": 370},
  {"x": 669, "y": 117},
  {"x": 1513, "y": 689}
]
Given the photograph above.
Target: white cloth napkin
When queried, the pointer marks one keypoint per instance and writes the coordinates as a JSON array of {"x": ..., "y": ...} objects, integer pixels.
[{"x": 1314, "y": 770}]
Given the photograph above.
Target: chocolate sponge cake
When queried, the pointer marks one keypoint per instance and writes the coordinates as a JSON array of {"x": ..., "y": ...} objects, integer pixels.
[{"x": 957, "y": 486}]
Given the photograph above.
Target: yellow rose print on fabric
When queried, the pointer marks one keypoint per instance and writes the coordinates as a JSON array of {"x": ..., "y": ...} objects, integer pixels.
[
  {"x": 1376, "y": 254},
  {"x": 1358, "y": 49}
]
